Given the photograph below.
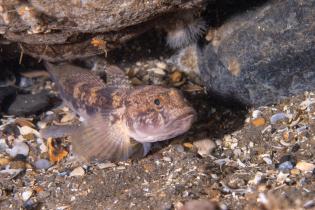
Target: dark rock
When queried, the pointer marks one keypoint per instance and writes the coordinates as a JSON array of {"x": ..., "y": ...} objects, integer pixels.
[
  {"x": 6, "y": 94},
  {"x": 263, "y": 55},
  {"x": 27, "y": 104},
  {"x": 286, "y": 163},
  {"x": 61, "y": 30}
]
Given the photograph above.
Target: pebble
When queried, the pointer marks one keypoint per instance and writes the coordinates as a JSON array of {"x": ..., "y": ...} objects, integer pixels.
[
  {"x": 26, "y": 130},
  {"x": 28, "y": 104},
  {"x": 41, "y": 124},
  {"x": 42, "y": 164},
  {"x": 121, "y": 168},
  {"x": 267, "y": 160},
  {"x": 106, "y": 165},
  {"x": 295, "y": 171},
  {"x": 161, "y": 65},
  {"x": 279, "y": 117},
  {"x": 19, "y": 148},
  {"x": 204, "y": 147},
  {"x": 27, "y": 195},
  {"x": 188, "y": 145},
  {"x": 79, "y": 171},
  {"x": 167, "y": 159},
  {"x": 258, "y": 122},
  {"x": 67, "y": 118},
  {"x": 285, "y": 166},
  {"x": 157, "y": 71},
  {"x": 256, "y": 114},
  {"x": 305, "y": 166},
  {"x": 176, "y": 76},
  {"x": 43, "y": 148}
]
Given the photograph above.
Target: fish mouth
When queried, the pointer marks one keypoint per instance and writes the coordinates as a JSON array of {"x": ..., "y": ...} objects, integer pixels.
[
  {"x": 190, "y": 115},
  {"x": 173, "y": 128}
]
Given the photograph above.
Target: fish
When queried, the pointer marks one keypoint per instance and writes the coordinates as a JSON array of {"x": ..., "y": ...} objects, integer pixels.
[{"x": 118, "y": 117}]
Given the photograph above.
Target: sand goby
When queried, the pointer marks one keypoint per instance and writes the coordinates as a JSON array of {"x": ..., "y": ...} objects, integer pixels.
[{"x": 117, "y": 114}]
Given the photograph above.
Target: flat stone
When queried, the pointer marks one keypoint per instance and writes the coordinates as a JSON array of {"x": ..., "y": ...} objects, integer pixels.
[
  {"x": 79, "y": 171},
  {"x": 19, "y": 148},
  {"x": 27, "y": 104},
  {"x": 42, "y": 164}
]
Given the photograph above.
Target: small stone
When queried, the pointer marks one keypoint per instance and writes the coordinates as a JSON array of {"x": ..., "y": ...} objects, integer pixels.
[
  {"x": 106, "y": 165},
  {"x": 167, "y": 159},
  {"x": 295, "y": 171},
  {"x": 79, "y": 171},
  {"x": 27, "y": 195},
  {"x": 43, "y": 148},
  {"x": 161, "y": 65},
  {"x": 121, "y": 168},
  {"x": 188, "y": 145},
  {"x": 205, "y": 147},
  {"x": 256, "y": 114},
  {"x": 278, "y": 118},
  {"x": 267, "y": 160},
  {"x": 67, "y": 118},
  {"x": 305, "y": 166},
  {"x": 176, "y": 76},
  {"x": 19, "y": 148},
  {"x": 179, "y": 148},
  {"x": 41, "y": 125},
  {"x": 42, "y": 164},
  {"x": 26, "y": 130},
  {"x": 27, "y": 104},
  {"x": 258, "y": 122},
  {"x": 285, "y": 166},
  {"x": 157, "y": 71}
]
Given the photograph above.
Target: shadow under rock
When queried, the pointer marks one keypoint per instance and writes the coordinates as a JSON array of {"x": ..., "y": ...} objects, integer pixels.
[{"x": 217, "y": 116}]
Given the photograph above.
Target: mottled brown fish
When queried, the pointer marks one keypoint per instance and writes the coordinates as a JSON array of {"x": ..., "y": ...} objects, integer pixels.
[{"x": 115, "y": 112}]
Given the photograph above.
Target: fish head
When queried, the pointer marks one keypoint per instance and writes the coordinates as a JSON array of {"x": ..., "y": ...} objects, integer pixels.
[{"x": 155, "y": 113}]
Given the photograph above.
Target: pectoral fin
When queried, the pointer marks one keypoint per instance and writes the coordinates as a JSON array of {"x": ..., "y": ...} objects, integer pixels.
[{"x": 99, "y": 138}]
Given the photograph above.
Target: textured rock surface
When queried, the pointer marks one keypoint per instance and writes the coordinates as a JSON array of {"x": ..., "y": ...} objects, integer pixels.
[
  {"x": 264, "y": 55},
  {"x": 29, "y": 104},
  {"x": 59, "y": 29}
]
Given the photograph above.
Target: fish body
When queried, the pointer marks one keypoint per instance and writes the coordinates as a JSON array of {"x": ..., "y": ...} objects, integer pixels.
[{"x": 115, "y": 112}]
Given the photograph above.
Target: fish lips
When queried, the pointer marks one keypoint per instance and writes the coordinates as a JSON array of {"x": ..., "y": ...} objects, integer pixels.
[{"x": 172, "y": 129}]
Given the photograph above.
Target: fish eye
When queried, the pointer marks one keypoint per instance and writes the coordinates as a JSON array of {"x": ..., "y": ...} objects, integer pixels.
[{"x": 157, "y": 102}]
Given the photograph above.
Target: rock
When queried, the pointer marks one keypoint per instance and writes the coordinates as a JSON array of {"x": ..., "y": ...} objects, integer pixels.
[
  {"x": 259, "y": 57},
  {"x": 19, "y": 148},
  {"x": 105, "y": 165},
  {"x": 161, "y": 65},
  {"x": 205, "y": 147},
  {"x": 285, "y": 166},
  {"x": 279, "y": 117},
  {"x": 6, "y": 95},
  {"x": 258, "y": 122},
  {"x": 27, "y": 104},
  {"x": 167, "y": 159},
  {"x": 42, "y": 27},
  {"x": 42, "y": 164},
  {"x": 256, "y": 114},
  {"x": 27, "y": 195},
  {"x": 79, "y": 171},
  {"x": 176, "y": 76},
  {"x": 26, "y": 130},
  {"x": 305, "y": 166}
]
